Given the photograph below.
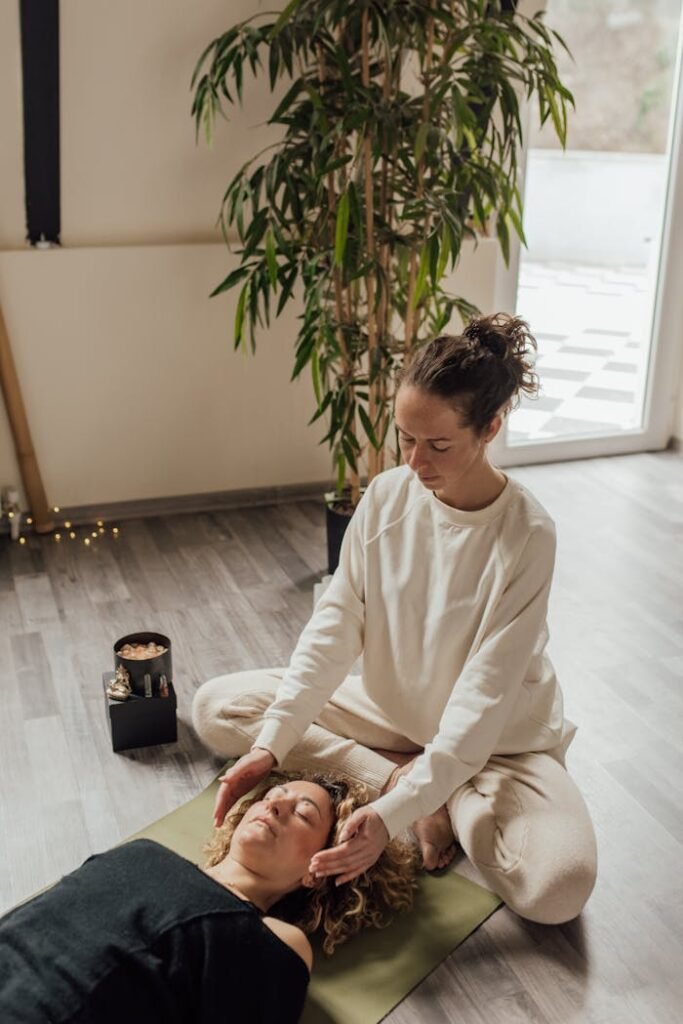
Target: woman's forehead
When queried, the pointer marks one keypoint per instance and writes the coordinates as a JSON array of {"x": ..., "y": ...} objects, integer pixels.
[{"x": 415, "y": 410}]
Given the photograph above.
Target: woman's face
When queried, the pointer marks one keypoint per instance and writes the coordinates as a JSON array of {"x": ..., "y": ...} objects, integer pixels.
[
  {"x": 432, "y": 441},
  {"x": 280, "y": 833}
]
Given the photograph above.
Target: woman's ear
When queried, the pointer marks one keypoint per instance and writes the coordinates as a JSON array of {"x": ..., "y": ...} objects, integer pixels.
[{"x": 493, "y": 428}]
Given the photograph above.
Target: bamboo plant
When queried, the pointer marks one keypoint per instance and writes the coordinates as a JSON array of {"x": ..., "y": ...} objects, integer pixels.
[{"x": 401, "y": 129}]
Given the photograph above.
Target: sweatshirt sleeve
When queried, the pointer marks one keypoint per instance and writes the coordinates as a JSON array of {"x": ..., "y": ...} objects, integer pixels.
[
  {"x": 327, "y": 648},
  {"x": 485, "y": 692}
]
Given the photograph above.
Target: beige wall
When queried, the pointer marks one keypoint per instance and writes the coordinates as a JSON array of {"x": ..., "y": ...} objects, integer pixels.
[
  {"x": 127, "y": 368},
  {"x": 131, "y": 384}
]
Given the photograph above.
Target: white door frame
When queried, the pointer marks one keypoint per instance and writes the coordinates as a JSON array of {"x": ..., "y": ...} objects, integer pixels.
[{"x": 666, "y": 352}]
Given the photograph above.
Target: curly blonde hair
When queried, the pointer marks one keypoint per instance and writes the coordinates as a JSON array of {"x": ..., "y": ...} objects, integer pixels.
[{"x": 335, "y": 912}]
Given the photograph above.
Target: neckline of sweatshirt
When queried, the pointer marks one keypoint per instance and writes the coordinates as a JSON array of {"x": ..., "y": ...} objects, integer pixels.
[{"x": 477, "y": 517}]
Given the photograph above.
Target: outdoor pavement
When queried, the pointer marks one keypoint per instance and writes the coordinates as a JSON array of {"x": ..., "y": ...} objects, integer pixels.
[{"x": 592, "y": 325}]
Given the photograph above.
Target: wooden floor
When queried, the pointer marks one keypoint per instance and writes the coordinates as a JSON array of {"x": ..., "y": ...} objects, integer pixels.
[{"x": 234, "y": 590}]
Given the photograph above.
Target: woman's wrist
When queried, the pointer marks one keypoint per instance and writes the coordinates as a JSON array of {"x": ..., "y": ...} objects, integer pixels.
[{"x": 265, "y": 749}]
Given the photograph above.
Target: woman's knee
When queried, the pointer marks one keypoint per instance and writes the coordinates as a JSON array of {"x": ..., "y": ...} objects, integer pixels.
[
  {"x": 227, "y": 705},
  {"x": 558, "y": 898}
]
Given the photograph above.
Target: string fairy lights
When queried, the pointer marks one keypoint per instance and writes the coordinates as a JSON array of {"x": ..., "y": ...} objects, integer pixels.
[{"x": 88, "y": 533}]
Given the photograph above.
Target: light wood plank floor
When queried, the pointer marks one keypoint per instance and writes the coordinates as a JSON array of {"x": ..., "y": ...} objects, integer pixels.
[{"x": 234, "y": 589}]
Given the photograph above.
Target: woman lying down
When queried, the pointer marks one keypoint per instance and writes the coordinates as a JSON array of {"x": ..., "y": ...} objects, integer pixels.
[{"x": 139, "y": 933}]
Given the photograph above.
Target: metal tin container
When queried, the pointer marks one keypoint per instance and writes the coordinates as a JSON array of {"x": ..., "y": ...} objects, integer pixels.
[{"x": 137, "y": 668}]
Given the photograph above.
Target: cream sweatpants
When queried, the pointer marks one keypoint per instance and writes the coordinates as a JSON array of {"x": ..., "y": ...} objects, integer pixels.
[{"x": 521, "y": 820}]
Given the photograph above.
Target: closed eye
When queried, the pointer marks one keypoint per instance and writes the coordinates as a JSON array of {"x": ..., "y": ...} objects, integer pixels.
[{"x": 409, "y": 440}]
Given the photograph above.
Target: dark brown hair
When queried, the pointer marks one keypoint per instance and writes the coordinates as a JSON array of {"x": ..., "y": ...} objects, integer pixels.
[{"x": 479, "y": 371}]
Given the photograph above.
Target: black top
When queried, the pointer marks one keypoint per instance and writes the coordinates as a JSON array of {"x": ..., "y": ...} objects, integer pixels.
[{"x": 139, "y": 934}]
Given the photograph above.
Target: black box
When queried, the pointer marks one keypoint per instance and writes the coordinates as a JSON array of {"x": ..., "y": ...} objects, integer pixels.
[{"x": 140, "y": 721}]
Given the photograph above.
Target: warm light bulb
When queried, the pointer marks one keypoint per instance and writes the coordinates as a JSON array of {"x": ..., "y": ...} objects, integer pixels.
[
  {"x": 58, "y": 536},
  {"x": 67, "y": 524},
  {"x": 115, "y": 529},
  {"x": 29, "y": 521},
  {"x": 100, "y": 523},
  {"x": 87, "y": 540},
  {"x": 22, "y": 540},
  {"x": 94, "y": 533},
  {"x": 56, "y": 509},
  {"x": 72, "y": 535},
  {"x": 101, "y": 529},
  {"x": 10, "y": 515}
]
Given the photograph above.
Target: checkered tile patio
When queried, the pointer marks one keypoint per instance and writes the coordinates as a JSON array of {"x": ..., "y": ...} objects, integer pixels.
[{"x": 592, "y": 325}]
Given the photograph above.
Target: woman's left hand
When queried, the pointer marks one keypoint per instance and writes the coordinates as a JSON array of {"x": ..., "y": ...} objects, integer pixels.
[{"x": 361, "y": 842}]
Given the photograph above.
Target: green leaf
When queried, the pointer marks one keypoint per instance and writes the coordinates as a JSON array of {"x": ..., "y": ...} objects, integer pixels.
[
  {"x": 421, "y": 141},
  {"x": 421, "y": 277},
  {"x": 433, "y": 250},
  {"x": 239, "y": 314},
  {"x": 273, "y": 63},
  {"x": 349, "y": 452},
  {"x": 557, "y": 114},
  {"x": 367, "y": 425},
  {"x": 230, "y": 281},
  {"x": 271, "y": 259},
  {"x": 444, "y": 253},
  {"x": 341, "y": 230},
  {"x": 514, "y": 217},
  {"x": 287, "y": 100},
  {"x": 284, "y": 17},
  {"x": 315, "y": 374},
  {"x": 503, "y": 237},
  {"x": 287, "y": 287},
  {"x": 306, "y": 347}
]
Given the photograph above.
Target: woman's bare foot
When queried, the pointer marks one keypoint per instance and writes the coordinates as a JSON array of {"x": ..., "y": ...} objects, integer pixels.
[{"x": 436, "y": 839}]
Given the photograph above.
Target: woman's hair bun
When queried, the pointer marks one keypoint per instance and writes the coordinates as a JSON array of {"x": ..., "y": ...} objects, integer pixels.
[
  {"x": 482, "y": 331},
  {"x": 480, "y": 371}
]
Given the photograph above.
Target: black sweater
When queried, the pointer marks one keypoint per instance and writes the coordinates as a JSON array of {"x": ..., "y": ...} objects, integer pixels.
[{"x": 138, "y": 933}]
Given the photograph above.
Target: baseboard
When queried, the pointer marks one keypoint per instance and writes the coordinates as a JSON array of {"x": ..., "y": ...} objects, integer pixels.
[{"x": 214, "y": 501}]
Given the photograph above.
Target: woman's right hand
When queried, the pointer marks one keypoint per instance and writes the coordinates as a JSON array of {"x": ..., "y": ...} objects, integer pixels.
[{"x": 239, "y": 779}]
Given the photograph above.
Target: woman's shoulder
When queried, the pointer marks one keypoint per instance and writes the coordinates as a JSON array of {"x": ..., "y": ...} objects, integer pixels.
[
  {"x": 527, "y": 507},
  {"x": 391, "y": 492},
  {"x": 293, "y": 936}
]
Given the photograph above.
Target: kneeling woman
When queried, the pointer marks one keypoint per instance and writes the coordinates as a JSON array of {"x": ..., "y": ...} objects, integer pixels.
[{"x": 140, "y": 933}]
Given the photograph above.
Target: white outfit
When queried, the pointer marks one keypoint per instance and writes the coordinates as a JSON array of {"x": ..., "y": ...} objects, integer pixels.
[{"x": 449, "y": 611}]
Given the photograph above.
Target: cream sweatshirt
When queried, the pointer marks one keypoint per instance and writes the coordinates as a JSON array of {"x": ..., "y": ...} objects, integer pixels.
[{"x": 449, "y": 611}]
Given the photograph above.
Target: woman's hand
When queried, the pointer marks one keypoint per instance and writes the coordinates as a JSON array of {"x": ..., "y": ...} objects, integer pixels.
[
  {"x": 239, "y": 779},
  {"x": 361, "y": 842}
]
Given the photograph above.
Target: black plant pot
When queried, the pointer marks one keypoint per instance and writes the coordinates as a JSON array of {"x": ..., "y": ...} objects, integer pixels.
[
  {"x": 336, "y": 528},
  {"x": 338, "y": 510}
]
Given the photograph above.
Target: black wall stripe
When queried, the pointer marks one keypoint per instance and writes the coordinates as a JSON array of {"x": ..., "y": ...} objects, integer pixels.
[{"x": 40, "y": 71}]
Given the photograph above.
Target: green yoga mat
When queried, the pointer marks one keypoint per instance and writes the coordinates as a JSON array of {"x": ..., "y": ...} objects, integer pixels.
[{"x": 367, "y": 977}]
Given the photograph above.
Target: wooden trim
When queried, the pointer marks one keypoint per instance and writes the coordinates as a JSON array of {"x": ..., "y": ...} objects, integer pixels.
[{"x": 213, "y": 501}]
